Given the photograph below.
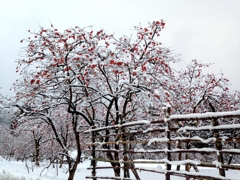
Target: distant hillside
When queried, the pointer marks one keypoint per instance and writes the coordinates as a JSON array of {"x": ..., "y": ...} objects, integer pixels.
[{"x": 4, "y": 117}]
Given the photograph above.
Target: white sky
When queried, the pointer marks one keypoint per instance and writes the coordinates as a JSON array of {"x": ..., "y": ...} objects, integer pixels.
[{"x": 207, "y": 30}]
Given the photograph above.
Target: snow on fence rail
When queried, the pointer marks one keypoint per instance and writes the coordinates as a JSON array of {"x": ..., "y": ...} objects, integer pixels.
[
  {"x": 120, "y": 143},
  {"x": 205, "y": 116}
]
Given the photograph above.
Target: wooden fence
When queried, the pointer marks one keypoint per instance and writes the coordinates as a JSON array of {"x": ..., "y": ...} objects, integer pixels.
[{"x": 192, "y": 140}]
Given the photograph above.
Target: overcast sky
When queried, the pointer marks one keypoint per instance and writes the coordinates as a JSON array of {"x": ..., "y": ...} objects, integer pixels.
[{"x": 207, "y": 30}]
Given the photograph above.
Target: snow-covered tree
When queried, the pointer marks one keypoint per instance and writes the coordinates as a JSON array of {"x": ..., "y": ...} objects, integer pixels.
[
  {"x": 101, "y": 79},
  {"x": 6, "y": 141},
  {"x": 79, "y": 78}
]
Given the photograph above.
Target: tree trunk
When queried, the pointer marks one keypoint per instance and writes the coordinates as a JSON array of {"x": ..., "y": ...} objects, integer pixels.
[
  {"x": 61, "y": 161},
  {"x": 117, "y": 171},
  {"x": 126, "y": 173},
  {"x": 37, "y": 149},
  {"x": 134, "y": 171},
  {"x": 72, "y": 171},
  {"x": 73, "y": 168},
  {"x": 37, "y": 146}
]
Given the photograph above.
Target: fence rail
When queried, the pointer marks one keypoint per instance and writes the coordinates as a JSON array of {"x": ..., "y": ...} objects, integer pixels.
[{"x": 120, "y": 142}]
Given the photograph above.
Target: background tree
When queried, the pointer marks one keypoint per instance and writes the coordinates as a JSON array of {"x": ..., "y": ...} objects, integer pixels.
[
  {"x": 31, "y": 137},
  {"x": 197, "y": 92},
  {"x": 6, "y": 142}
]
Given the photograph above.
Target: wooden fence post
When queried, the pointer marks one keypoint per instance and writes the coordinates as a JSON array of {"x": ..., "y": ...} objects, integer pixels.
[
  {"x": 218, "y": 144},
  {"x": 167, "y": 115},
  {"x": 93, "y": 161}
]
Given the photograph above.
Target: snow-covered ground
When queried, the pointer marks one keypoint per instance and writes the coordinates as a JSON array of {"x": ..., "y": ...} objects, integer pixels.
[{"x": 18, "y": 169}]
